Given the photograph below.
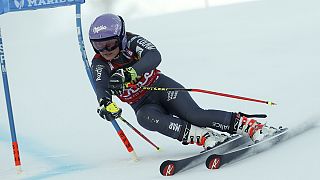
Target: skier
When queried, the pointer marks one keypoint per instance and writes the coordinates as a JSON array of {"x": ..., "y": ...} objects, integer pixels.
[{"x": 124, "y": 58}]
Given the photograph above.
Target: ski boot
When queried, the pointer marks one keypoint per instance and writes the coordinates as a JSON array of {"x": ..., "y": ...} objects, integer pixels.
[
  {"x": 202, "y": 137},
  {"x": 251, "y": 127}
]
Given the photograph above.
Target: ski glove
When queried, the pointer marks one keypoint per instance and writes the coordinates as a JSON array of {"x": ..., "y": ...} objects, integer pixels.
[
  {"x": 130, "y": 75},
  {"x": 108, "y": 110},
  {"x": 120, "y": 79},
  {"x": 116, "y": 82}
]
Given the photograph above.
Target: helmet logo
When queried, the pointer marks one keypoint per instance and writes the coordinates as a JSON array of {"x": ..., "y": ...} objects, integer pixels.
[{"x": 99, "y": 28}]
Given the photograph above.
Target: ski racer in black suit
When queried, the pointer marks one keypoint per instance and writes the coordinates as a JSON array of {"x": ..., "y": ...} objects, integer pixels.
[{"x": 124, "y": 58}]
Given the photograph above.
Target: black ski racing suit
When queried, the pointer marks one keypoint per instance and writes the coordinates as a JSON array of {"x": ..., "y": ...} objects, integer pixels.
[{"x": 167, "y": 112}]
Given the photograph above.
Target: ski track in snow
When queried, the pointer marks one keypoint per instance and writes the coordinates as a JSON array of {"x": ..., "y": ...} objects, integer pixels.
[
  {"x": 51, "y": 164},
  {"x": 305, "y": 126}
]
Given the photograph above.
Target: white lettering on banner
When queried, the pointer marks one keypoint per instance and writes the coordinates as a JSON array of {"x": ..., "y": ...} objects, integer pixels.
[
  {"x": 146, "y": 44},
  {"x": 33, "y": 3},
  {"x": 19, "y": 4},
  {"x": 50, "y": 2},
  {"x": 42, "y": 2},
  {"x": 175, "y": 127}
]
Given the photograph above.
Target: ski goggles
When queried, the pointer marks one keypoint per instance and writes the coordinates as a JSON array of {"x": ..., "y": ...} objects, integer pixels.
[{"x": 106, "y": 45}]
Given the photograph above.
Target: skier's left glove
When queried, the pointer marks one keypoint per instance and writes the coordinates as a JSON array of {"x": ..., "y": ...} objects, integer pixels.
[
  {"x": 108, "y": 110},
  {"x": 130, "y": 75}
]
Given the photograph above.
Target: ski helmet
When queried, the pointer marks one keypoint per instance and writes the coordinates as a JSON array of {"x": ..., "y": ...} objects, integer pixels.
[{"x": 108, "y": 26}]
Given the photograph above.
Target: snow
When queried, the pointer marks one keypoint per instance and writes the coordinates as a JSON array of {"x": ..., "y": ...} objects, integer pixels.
[{"x": 263, "y": 49}]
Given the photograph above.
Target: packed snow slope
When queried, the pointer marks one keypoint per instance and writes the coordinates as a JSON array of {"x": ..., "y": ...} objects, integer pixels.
[{"x": 267, "y": 50}]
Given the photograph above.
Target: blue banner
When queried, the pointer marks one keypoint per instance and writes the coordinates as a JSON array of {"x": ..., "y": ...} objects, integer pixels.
[{"x": 23, "y": 5}]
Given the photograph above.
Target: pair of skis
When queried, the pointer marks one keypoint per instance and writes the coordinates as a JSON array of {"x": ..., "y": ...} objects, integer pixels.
[{"x": 235, "y": 148}]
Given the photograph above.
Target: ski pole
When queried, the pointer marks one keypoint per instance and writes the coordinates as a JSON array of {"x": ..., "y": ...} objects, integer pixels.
[
  {"x": 125, "y": 140},
  {"x": 139, "y": 133},
  {"x": 201, "y": 91},
  {"x": 120, "y": 132}
]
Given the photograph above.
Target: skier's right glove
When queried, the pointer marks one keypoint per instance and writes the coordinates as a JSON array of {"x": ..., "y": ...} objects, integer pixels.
[
  {"x": 108, "y": 110},
  {"x": 120, "y": 80},
  {"x": 116, "y": 82}
]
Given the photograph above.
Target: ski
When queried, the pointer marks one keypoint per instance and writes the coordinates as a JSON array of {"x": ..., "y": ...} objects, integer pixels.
[
  {"x": 216, "y": 160},
  {"x": 171, "y": 167}
]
